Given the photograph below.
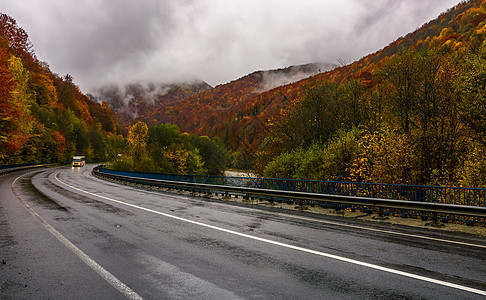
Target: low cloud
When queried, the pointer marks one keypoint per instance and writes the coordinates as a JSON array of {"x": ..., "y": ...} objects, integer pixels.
[{"x": 274, "y": 78}]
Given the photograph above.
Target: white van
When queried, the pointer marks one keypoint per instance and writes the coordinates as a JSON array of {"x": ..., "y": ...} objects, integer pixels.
[{"x": 78, "y": 161}]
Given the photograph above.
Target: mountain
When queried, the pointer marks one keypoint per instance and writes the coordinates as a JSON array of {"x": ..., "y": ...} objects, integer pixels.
[
  {"x": 279, "y": 77},
  {"x": 133, "y": 102},
  {"x": 150, "y": 102},
  {"x": 44, "y": 117},
  {"x": 238, "y": 111},
  {"x": 226, "y": 109},
  {"x": 412, "y": 112}
]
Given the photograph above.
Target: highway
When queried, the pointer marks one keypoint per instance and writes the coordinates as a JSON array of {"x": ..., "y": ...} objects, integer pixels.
[{"x": 67, "y": 234}]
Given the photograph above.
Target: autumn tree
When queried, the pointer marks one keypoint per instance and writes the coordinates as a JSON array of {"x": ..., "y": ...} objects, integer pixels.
[
  {"x": 182, "y": 161},
  {"x": 45, "y": 117},
  {"x": 471, "y": 86},
  {"x": 137, "y": 140},
  {"x": 17, "y": 38},
  {"x": 6, "y": 86},
  {"x": 15, "y": 119},
  {"x": 419, "y": 86},
  {"x": 385, "y": 156},
  {"x": 401, "y": 75}
]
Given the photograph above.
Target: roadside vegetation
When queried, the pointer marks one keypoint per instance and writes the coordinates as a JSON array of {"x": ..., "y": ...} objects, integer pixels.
[
  {"x": 420, "y": 119},
  {"x": 163, "y": 148},
  {"x": 412, "y": 113}
]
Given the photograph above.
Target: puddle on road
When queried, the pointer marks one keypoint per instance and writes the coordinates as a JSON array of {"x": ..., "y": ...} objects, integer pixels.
[
  {"x": 86, "y": 200},
  {"x": 6, "y": 240},
  {"x": 37, "y": 197}
]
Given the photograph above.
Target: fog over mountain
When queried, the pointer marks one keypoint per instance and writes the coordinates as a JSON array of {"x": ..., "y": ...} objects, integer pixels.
[
  {"x": 106, "y": 42},
  {"x": 274, "y": 78},
  {"x": 136, "y": 99}
]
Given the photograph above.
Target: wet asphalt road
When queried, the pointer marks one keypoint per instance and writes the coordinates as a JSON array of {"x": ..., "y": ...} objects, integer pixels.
[{"x": 84, "y": 238}]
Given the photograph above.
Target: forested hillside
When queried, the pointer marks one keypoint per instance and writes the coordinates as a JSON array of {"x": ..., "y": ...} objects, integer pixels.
[
  {"x": 44, "y": 117},
  {"x": 156, "y": 103},
  {"x": 412, "y": 113},
  {"x": 165, "y": 149},
  {"x": 230, "y": 111},
  {"x": 137, "y": 101}
]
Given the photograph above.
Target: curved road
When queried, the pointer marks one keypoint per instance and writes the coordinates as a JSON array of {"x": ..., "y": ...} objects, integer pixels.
[{"x": 65, "y": 233}]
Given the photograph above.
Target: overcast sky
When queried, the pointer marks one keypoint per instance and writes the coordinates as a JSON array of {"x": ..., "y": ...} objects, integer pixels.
[{"x": 120, "y": 41}]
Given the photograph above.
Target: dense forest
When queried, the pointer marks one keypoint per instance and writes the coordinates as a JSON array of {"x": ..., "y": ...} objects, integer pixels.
[
  {"x": 235, "y": 112},
  {"x": 413, "y": 113},
  {"x": 44, "y": 117}
]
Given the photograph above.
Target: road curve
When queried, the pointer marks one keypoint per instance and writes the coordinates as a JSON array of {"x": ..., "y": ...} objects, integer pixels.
[{"x": 65, "y": 233}]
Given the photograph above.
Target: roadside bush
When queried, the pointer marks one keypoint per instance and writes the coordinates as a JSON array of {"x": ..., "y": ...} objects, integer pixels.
[
  {"x": 146, "y": 164},
  {"x": 339, "y": 155},
  {"x": 285, "y": 165},
  {"x": 123, "y": 163}
]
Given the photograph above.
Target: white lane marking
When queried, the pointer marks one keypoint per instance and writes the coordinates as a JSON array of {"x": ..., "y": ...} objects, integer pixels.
[
  {"x": 382, "y": 231},
  {"x": 111, "y": 279},
  {"x": 346, "y": 225},
  {"x": 302, "y": 249}
]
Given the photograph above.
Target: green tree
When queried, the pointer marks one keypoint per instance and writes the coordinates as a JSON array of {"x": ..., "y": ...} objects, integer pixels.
[
  {"x": 164, "y": 135},
  {"x": 98, "y": 145},
  {"x": 339, "y": 154},
  {"x": 285, "y": 165},
  {"x": 123, "y": 163},
  {"x": 212, "y": 153}
]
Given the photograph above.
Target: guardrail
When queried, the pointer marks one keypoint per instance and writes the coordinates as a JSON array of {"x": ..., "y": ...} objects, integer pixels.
[
  {"x": 21, "y": 167},
  {"x": 427, "y": 209},
  {"x": 420, "y": 193}
]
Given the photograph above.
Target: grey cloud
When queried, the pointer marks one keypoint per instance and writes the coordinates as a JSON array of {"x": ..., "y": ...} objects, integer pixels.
[{"x": 123, "y": 41}]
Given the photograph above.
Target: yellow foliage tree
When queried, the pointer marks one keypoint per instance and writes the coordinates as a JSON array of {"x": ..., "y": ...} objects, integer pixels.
[
  {"x": 15, "y": 117},
  {"x": 183, "y": 161},
  {"x": 137, "y": 140}
]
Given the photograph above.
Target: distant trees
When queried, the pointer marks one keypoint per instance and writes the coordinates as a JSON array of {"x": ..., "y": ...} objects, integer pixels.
[
  {"x": 163, "y": 148},
  {"x": 46, "y": 118}
]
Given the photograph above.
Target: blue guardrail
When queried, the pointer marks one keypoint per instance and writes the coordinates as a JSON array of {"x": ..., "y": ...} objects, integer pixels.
[
  {"x": 433, "y": 194},
  {"x": 3, "y": 167}
]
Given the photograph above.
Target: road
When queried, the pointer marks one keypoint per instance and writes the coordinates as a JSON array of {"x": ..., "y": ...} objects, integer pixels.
[{"x": 65, "y": 233}]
